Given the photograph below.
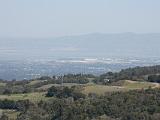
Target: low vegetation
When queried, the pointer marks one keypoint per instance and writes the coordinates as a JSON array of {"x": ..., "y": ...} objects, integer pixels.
[{"x": 131, "y": 94}]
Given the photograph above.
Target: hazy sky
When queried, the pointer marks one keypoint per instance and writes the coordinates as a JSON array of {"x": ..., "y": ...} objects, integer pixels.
[{"x": 50, "y": 18}]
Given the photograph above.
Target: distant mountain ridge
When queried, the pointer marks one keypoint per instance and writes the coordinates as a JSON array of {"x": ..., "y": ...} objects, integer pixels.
[{"x": 89, "y": 45}]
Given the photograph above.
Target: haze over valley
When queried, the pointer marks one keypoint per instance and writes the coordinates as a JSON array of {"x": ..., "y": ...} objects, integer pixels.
[
  {"x": 79, "y": 59},
  {"x": 91, "y": 53}
]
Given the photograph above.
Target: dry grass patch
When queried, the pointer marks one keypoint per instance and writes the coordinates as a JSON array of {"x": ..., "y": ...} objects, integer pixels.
[
  {"x": 124, "y": 85},
  {"x": 33, "y": 97},
  {"x": 12, "y": 114},
  {"x": 101, "y": 89},
  {"x": 138, "y": 85},
  {"x": 33, "y": 82}
]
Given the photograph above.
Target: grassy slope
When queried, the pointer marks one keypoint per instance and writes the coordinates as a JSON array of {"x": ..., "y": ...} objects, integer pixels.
[
  {"x": 12, "y": 114},
  {"x": 89, "y": 88},
  {"x": 137, "y": 85},
  {"x": 34, "y": 97},
  {"x": 2, "y": 84},
  {"x": 45, "y": 87},
  {"x": 35, "y": 82},
  {"x": 101, "y": 89},
  {"x": 125, "y": 86}
]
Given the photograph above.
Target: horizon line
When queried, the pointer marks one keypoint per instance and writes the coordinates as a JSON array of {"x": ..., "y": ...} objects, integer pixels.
[{"x": 81, "y": 34}]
